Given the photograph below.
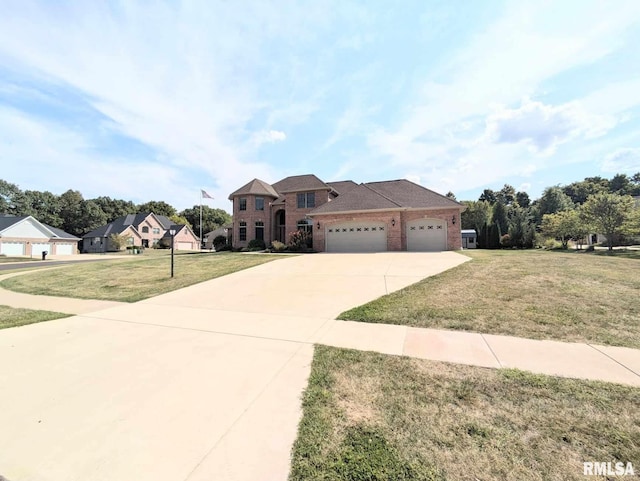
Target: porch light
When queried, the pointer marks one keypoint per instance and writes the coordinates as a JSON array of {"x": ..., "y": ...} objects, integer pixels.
[
  {"x": 393, "y": 222},
  {"x": 453, "y": 220},
  {"x": 318, "y": 225}
]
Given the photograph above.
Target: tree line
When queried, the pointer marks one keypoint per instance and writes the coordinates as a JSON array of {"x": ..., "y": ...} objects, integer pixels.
[
  {"x": 76, "y": 215},
  {"x": 507, "y": 218}
]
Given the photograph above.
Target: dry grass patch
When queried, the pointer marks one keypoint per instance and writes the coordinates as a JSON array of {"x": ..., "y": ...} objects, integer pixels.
[
  {"x": 132, "y": 280},
  {"x": 13, "y": 317},
  {"x": 533, "y": 294},
  {"x": 434, "y": 421}
]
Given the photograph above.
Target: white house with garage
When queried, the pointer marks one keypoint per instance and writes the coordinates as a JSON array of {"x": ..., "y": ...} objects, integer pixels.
[{"x": 26, "y": 236}]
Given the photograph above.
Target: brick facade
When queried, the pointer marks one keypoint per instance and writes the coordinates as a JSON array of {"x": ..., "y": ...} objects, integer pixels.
[
  {"x": 373, "y": 202},
  {"x": 250, "y": 216},
  {"x": 396, "y": 234}
]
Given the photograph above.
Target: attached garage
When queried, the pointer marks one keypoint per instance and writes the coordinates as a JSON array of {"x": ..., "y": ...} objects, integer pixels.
[
  {"x": 12, "y": 248},
  {"x": 37, "y": 248},
  {"x": 184, "y": 246},
  {"x": 426, "y": 235},
  {"x": 65, "y": 249},
  {"x": 356, "y": 237}
]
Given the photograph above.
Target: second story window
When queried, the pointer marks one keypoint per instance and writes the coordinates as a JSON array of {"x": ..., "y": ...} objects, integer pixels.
[
  {"x": 242, "y": 203},
  {"x": 156, "y": 230},
  {"x": 145, "y": 230},
  {"x": 259, "y": 203},
  {"x": 306, "y": 200}
]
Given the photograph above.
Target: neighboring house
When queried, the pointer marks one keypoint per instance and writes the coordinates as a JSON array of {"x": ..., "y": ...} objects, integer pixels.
[
  {"x": 26, "y": 236},
  {"x": 184, "y": 238},
  {"x": 225, "y": 231},
  {"x": 395, "y": 215},
  {"x": 142, "y": 230},
  {"x": 469, "y": 239}
]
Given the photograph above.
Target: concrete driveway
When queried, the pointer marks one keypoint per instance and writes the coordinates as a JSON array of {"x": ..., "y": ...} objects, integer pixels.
[{"x": 203, "y": 383}]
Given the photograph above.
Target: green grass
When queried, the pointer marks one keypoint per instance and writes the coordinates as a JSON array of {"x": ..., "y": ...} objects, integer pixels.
[
  {"x": 132, "y": 280},
  {"x": 535, "y": 294},
  {"x": 13, "y": 317},
  {"x": 4, "y": 259},
  {"x": 368, "y": 416}
]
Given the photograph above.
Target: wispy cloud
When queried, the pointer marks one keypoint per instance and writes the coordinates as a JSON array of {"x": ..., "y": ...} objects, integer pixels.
[{"x": 622, "y": 160}]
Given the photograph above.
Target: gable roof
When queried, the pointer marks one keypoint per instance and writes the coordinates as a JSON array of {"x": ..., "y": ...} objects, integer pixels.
[
  {"x": 7, "y": 221},
  {"x": 361, "y": 197},
  {"x": 255, "y": 187},
  {"x": 121, "y": 224},
  {"x": 411, "y": 195},
  {"x": 342, "y": 186},
  {"x": 387, "y": 195},
  {"x": 297, "y": 183}
]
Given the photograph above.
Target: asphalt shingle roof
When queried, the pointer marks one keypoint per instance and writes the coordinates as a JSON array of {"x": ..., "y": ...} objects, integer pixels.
[
  {"x": 408, "y": 194},
  {"x": 297, "y": 183},
  {"x": 359, "y": 198},
  {"x": 7, "y": 221},
  {"x": 391, "y": 194},
  {"x": 342, "y": 186},
  {"x": 255, "y": 187},
  {"x": 121, "y": 224}
]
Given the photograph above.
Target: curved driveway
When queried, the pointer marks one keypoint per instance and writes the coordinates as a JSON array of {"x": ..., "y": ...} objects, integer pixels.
[{"x": 199, "y": 384}]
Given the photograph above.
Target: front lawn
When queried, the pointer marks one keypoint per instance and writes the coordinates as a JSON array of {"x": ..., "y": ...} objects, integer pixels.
[
  {"x": 368, "y": 416},
  {"x": 13, "y": 317},
  {"x": 4, "y": 259},
  {"x": 534, "y": 294},
  {"x": 132, "y": 280}
]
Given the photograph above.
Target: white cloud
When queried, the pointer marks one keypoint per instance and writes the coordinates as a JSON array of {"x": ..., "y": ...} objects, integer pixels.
[
  {"x": 622, "y": 160},
  {"x": 268, "y": 137},
  {"x": 441, "y": 135},
  {"x": 544, "y": 127}
]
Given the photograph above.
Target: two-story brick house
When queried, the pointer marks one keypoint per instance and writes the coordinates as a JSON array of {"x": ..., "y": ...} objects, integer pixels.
[
  {"x": 345, "y": 216},
  {"x": 142, "y": 230}
]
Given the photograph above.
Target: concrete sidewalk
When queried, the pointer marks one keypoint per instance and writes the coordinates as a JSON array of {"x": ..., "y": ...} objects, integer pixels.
[
  {"x": 50, "y": 303},
  {"x": 205, "y": 382}
]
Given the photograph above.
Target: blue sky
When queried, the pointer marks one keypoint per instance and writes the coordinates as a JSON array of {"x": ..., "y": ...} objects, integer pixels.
[{"x": 154, "y": 100}]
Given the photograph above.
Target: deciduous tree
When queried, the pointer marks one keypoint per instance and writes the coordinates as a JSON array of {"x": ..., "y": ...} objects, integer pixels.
[{"x": 607, "y": 213}]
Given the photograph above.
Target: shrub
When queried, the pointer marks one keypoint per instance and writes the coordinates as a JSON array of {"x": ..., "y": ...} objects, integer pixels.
[
  {"x": 299, "y": 241},
  {"x": 505, "y": 240},
  {"x": 225, "y": 247},
  {"x": 278, "y": 246},
  {"x": 550, "y": 244},
  {"x": 219, "y": 242},
  {"x": 256, "y": 244}
]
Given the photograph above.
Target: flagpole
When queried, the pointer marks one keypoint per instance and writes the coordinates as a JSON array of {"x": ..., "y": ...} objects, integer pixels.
[{"x": 200, "y": 219}]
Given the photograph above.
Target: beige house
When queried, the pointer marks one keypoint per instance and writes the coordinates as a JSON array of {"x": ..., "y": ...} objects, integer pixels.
[
  {"x": 396, "y": 215},
  {"x": 142, "y": 230},
  {"x": 26, "y": 236}
]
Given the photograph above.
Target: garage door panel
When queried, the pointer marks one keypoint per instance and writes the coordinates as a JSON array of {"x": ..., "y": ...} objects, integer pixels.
[
  {"x": 356, "y": 237},
  {"x": 184, "y": 246},
  {"x": 12, "y": 248},
  {"x": 64, "y": 249},
  {"x": 38, "y": 248},
  {"x": 426, "y": 235}
]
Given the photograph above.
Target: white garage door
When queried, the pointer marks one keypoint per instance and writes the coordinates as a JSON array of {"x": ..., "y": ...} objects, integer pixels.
[
  {"x": 357, "y": 237},
  {"x": 426, "y": 235},
  {"x": 64, "y": 249},
  {"x": 12, "y": 248},
  {"x": 36, "y": 249},
  {"x": 184, "y": 246}
]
